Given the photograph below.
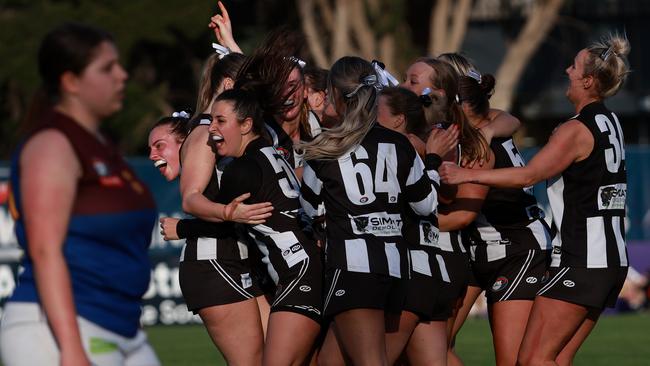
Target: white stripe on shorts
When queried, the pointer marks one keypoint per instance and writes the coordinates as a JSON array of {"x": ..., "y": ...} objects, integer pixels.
[
  {"x": 558, "y": 276},
  {"x": 520, "y": 275}
]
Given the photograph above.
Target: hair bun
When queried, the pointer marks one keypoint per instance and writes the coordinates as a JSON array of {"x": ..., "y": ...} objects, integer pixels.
[
  {"x": 487, "y": 84},
  {"x": 620, "y": 45}
]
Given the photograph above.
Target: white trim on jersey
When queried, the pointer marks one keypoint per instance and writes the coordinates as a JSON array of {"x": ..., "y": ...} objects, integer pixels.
[
  {"x": 520, "y": 275},
  {"x": 356, "y": 255},
  {"x": 428, "y": 205},
  {"x": 420, "y": 262},
  {"x": 596, "y": 242},
  {"x": 542, "y": 235},
  {"x": 224, "y": 274},
  {"x": 206, "y": 248},
  {"x": 555, "y": 192},
  {"x": 443, "y": 268},
  {"x": 183, "y": 253},
  {"x": 311, "y": 181},
  {"x": 393, "y": 259},
  {"x": 243, "y": 250},
  {"x": 273, "y": 134},
  {"x": 314, "y": 127},
  {"x": 620, "y": 242}
]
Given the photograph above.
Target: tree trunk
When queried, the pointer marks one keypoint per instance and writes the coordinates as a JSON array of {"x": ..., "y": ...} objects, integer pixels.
[
  {"x": 314, "y": 40},
  {"x": 540, "y": 21}
]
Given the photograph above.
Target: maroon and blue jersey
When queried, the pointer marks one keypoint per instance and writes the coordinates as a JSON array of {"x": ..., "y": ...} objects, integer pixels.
[{"x": 108, "y": 234}]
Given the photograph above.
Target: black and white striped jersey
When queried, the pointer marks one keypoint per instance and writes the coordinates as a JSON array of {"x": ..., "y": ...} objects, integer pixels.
[
  {"x": 264, "y": 173},
  {"x": 365, "y": 192},
  {"x": 510, "y": 221},
  {"x": 225, "y": 245},
  {"x": 588, "y": 198},
  {"x": 284, "y": 144}
]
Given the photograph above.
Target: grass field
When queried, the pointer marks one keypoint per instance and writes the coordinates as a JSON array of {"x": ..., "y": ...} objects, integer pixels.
[{"x": 617, "y": 340}]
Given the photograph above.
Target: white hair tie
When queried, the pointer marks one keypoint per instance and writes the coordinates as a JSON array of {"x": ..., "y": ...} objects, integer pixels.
[
  {"x": 370, "y": 80},
  {"x": 475, "y": 75},
  {"x": 385, "y": 78},
  {"x": 181, "y": 114},
  {"x": 221, "y": 50}
]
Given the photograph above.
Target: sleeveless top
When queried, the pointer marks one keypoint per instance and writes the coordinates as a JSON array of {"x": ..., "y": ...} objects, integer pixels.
[{"x": 106, "y": 245}]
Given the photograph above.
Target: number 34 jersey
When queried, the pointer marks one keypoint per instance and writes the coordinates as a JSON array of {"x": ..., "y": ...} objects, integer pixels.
[
  {"x": 588, "y": 199},
  {"x": 365, "y": 192}
]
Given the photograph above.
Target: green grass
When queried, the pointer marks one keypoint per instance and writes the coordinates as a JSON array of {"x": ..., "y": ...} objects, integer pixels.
[{"x": 617, "y": 340}]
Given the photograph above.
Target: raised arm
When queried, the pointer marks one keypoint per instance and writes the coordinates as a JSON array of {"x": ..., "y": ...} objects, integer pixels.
[
  {"x": 570, "y": 142},
  {"x": 222, "y": 27},
  {"x": 49, "y": 171}
]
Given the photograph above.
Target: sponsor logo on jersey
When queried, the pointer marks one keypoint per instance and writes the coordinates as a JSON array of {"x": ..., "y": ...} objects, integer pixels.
[
  {"x": 377, "y": 223},
  {"x": 568, "y": 283},
  {"x": 612, "y": 197},
  {"x": 304, "y": 288},
  {"x": 429, "y": 233},
  {"x": 339, "y": 293},
  {"x": 246, "y": 280},
  {"x": 500, "y": 284},
  {"x": 531, "y": 279}
]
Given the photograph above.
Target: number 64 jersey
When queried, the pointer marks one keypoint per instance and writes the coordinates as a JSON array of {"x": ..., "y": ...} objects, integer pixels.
[
  {"x": 588, "y": 199},
  {"x": 365, "y": 192}
]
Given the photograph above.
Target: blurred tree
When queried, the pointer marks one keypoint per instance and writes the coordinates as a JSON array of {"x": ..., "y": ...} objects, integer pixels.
[{"x": 368, "y": 28}]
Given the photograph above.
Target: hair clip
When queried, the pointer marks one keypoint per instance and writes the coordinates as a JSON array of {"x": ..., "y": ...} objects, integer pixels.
[
  {"x": 221, "y": 50},
  {"x": 605, "y": 54},
  {"x": 368, "y": 80},
  {"x": 297, "y": 60},
  {"x": 475, "y": 75},
  {"x": 425, "y": 97},
  {"x": 181, "y": 114},
  {"x": 385, "y": 78}
]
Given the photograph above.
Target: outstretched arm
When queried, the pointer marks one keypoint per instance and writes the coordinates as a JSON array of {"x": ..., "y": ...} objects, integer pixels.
[{"x": 570, "y": 142}]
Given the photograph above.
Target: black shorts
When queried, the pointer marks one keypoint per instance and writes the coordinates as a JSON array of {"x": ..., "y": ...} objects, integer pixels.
[
  {"x": 517, "y": 277},
  {"x": 300, "y": 289},
  {"x": 590, "y": 287},
  {"x": 346, "y": 290},
  {"x": 213, "y": 282},
  {"x": 425, "y": 297},
  {"x": 458, "y": 271}
]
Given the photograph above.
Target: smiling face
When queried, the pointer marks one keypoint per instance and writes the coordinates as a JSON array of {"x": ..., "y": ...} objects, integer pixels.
[
  {"x": 100, "y": 86},
  {"x": 418, "y": 77},
  {"x": 227, "y": 131},
  {"x": 577, "y": 80},
  {"x": 164, "y": 151},
  {"x": 294, "y": 99}
]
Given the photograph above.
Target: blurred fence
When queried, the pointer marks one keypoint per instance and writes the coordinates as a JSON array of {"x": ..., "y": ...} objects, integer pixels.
[{"x": 164, "y": 302}]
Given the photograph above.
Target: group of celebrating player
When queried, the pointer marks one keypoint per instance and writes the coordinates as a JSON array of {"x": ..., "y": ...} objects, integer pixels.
[
  {"x": 352, "y": 226},
  {"x": 341, "y": 218}
]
